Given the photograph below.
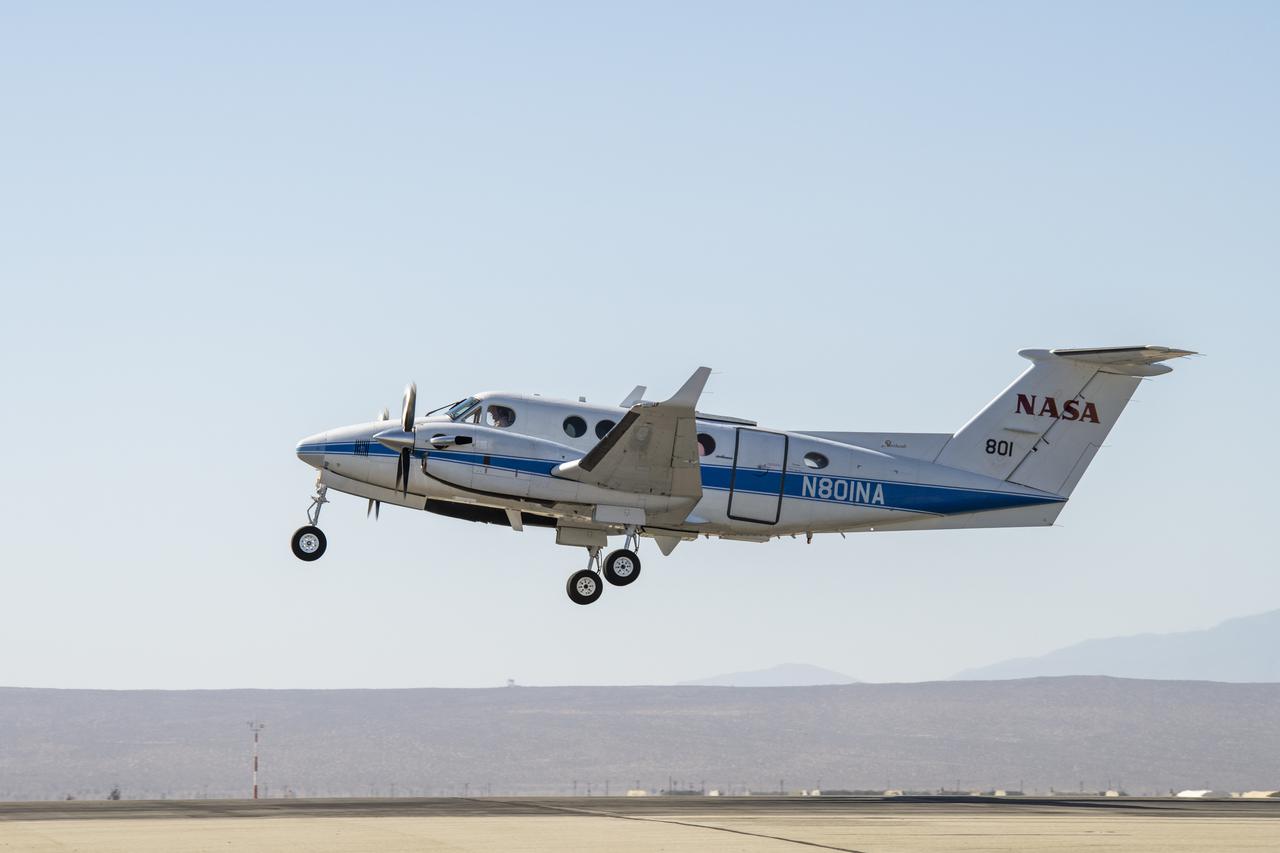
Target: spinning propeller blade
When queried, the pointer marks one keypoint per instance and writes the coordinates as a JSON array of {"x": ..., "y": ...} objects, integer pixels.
[
  {"x": 407, "y": 413},
  {"x": 375, "y": 507},
  {"x": 402, "y": 440},
  {"x": 410, "y": 403},
  {"x": 402, "y": 470}
]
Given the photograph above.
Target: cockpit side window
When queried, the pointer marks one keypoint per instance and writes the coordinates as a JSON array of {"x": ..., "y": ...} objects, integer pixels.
[
  {"x": 463, "y": 408},
  {"x": 500, "y": 416}
]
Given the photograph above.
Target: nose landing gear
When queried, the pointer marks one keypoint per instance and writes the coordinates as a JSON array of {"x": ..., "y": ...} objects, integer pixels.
[{"x": 308, "y": 542}]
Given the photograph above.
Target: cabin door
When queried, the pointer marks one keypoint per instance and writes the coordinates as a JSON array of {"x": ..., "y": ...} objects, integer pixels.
[{"x": 759, "y": 471}]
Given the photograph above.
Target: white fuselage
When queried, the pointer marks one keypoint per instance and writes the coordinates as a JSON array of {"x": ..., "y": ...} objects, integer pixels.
[{"x": 756, "y": 483}]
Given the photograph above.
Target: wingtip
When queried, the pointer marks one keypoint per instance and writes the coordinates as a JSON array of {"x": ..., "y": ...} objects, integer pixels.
[{"x": 691, "y": 390}]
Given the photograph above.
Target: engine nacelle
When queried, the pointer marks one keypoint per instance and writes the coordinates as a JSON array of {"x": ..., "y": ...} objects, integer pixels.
[
  {"x": 491, "y": 460},
  {"x": 485, "y": 460}
]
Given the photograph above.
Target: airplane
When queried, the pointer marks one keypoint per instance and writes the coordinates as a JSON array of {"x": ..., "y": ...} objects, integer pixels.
[{"x": 668, "y": 472}]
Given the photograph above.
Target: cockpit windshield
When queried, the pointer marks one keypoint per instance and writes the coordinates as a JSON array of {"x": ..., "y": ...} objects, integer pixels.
[{"x": 463, "y": 408}]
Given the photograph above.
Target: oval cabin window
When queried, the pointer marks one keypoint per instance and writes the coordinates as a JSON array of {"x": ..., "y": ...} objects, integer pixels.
[
  {"x": 706, "y": 444},
  {"x": 602, "y": 428},
  {"x": 815, "y": 460},
  {"x": 574, "y": 426}
]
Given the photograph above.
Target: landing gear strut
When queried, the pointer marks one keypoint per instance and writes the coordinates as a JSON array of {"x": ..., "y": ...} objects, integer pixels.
[
  {"x": 622, "y": 566},
  {"x": 619, "y": 568},
  {"x": 308, "y": 542}
]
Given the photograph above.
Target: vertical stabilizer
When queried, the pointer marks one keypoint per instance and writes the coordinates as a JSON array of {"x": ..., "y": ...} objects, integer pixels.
[{"x": 1044, "y": 429}]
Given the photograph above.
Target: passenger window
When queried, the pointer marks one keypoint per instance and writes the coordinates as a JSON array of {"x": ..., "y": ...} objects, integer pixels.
[
  {"x": 501, "y": 416},
  {"x": 574, "y": 426},
  {"x": 815, "y": 460},
  {"x": 602, "y": 428},
  {"x": 706, "y": 444}
]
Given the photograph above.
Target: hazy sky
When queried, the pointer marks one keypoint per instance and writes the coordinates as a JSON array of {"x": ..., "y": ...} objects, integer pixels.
[{"x": 224, "y": 227}]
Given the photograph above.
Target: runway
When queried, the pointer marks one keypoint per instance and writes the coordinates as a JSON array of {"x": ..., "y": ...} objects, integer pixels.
[{"x": 851, "y": 824}]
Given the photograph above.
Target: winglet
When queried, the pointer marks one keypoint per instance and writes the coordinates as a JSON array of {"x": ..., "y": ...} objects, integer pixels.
[
  {"x": 691, "y": 390},
  {"x": 636, "y": 395}
]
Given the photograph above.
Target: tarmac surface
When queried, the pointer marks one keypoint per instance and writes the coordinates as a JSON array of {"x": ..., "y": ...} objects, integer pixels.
[{"x": 851, "y": 824}]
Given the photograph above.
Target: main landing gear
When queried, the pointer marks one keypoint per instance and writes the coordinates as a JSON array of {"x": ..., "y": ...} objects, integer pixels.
[
  {"x": 619, "y": 568},
  {"x": 308, "y": 542}
]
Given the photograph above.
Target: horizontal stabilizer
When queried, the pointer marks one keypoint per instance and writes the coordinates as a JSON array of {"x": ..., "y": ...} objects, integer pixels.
[{"x": 1126, "y": 361}]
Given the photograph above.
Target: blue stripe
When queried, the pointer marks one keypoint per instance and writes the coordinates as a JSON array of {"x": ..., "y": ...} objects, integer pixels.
[{"x": 908, "y": 497}]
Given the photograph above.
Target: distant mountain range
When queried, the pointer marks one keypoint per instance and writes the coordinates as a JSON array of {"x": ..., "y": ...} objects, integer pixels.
[
  {"x": 782, "y": 675},
  {"x": 1035, "y": 734},
  {"x": 1246, "y": 649}
]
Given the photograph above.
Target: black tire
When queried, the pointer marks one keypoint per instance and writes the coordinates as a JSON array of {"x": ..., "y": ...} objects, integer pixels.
[
  {"x": 621, "y": 567},
  {"x": 584, "y": 587},
  {"x": 308, "y": 543}
]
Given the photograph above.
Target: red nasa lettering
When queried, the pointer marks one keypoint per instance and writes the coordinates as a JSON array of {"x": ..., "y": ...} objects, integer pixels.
[{"x": 1070, "y": 411}]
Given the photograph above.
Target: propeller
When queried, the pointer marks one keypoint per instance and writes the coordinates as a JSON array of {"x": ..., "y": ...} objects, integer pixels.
[
  {"x": 402, "y": 439},
  {"x": 375, "y": 506},
  {"x": 406, "y": 423}
]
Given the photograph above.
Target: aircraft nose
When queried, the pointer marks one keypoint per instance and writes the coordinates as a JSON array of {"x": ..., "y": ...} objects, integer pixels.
[{"x": 311, "y": 449}]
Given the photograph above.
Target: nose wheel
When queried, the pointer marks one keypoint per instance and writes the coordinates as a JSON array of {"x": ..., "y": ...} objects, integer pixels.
[{"x": 308, "y": 542}]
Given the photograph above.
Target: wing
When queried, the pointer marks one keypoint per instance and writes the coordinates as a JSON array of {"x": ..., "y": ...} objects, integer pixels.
[{"x": 653, "y": 450}]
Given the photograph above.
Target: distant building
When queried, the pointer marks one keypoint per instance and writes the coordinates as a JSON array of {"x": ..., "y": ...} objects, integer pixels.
[
  {"x": 1259, "y": 795},
  {"x": 1201, "y": 794},
  {"x": 637, "y": 792}
]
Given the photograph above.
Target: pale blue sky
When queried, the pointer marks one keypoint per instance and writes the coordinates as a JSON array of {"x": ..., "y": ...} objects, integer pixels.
[{"x": 225, "y": 227}]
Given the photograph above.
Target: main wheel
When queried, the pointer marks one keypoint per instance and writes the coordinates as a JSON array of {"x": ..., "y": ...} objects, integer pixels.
[
  {"x": 584, "y": 587},
  {"x": 308, "y": 543},
  {"x": 621, "y": 567}
]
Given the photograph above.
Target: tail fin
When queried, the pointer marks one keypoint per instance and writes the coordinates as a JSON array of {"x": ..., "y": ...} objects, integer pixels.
[{"x": 1044, "y": 429}]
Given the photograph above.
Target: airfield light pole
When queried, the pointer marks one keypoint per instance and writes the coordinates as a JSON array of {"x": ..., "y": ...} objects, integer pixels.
[{"x": 255, "y": 727}]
